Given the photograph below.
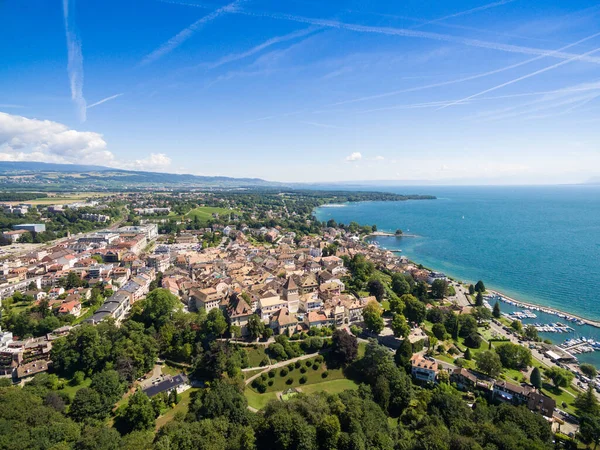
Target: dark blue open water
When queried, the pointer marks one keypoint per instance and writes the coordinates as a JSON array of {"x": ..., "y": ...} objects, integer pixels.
[{"x": 536, "y": 244}]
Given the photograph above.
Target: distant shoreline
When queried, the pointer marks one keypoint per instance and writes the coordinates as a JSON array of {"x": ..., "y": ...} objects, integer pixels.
[{"x": 388, "y": 234}]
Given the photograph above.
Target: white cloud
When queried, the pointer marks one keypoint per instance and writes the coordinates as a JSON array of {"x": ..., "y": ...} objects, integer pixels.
[
  {"x": 24, "y": 139},
  {"x": 156, "y": 161},
  {"x": 379, "y": 158},
  {"x": 355, "y": 156}
]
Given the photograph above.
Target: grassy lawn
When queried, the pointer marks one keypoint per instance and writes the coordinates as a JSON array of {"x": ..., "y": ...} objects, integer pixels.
[
  {"x": 258, "y": 401},
  {"x": 250, "y": 373},
  {"x": 255, "y": 356},
  {"x": 205, "y": 213},
  {"x": 362, "y": 348},
  {"x": 332, "y": 387},
  {"x": 166, "y": 369},
  {"x": 72, "y": 390},
  {"x": 512, "y": 375},
  {"x": 560, "y": 396},
  {"x": 313, "y": 376},
  {"x": 446, "y": 358},
  {"x": 181, "y": 406}
]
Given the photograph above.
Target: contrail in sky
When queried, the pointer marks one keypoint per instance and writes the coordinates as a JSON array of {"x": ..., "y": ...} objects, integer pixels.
[
  {"x": 404, "y": 32},
  {"x": 469, "y": 78},
  {"x": 529, "y": 75},
  {"x": 188, "y": 32},
  {"x": 75, "y": 64},
  {"x": 268, "y": 43},
  {"x": 104, "y": 100},
  {"x": 464, "y": 13}
]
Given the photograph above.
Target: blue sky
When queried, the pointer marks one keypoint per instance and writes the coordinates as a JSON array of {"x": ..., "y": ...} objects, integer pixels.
[{"x": 494, "y": 92}]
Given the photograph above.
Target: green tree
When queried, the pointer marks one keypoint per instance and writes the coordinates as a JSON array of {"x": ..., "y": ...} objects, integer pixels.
[
  {"x": 158, "y": 308},
  {"x": 467, "y": 325},
  {"x": 399, "y": 326},
  {"x": 439, "y": 289},
  {"x": 372, "y": 317},
  {"x": 376, "y": 288},
  {"x": 481, "y": 313},
  {"x": 414, "y": 310},
  {"x": 531, "y": 333},
  {"x": 473, "y": 340},
  {"x": 221, "y": 399},
  {"x": 588, "y": 370},
  {"x": 560, "y": 377},
  {"x": 479, "y": 299},
  {"x": 439, "y": 331},
  {"x": 87, "y": 404},
  {"x": 404, "y": 354},
  {"x": 256, "y": 327},
  {"x": 108, "y": 385},
  {"x": 471, "y": 289},
  {"x": 399, "y": 284},
  {"x": 489, "y": 363},
  {"x": 215, "y": 323},
  {"x": 480, "y": 287},
  {"x": 467, "y": 354},
  {"x": 514, "y": 356},
  {"x": 589, "y": 430},
  {"x": 344, "y": 347},
  {"x": 496, "y": 313},
  {"x": 138, "y": 415},
  {"x": 517, "y": 326},
  {"x": 536, "y": 378},
  {"x": 328, "y": 432},
  {"x": 586, "y": 403}
]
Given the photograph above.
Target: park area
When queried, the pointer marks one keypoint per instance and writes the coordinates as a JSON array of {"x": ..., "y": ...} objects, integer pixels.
[{"x": 307, "y": 376}]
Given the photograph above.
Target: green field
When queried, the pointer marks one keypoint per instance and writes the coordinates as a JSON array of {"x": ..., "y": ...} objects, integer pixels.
[
  {"x": 72, "y": 390},
  {"x": 259, "y": 401},
  {"x": 255, "y": 356},
  {"x": 183, "y": 405},
  {"x": 332, "y": 387},
  {"x": 204, "y": 213},
  {"x": 312, "y": 376}
]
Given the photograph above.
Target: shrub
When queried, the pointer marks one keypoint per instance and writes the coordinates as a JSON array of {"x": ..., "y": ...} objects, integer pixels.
[
  {"x": 303, "y": 379},
  {"x": 272, "y": 373},
  {"x": 319, "y": 359},
  {"x": 264, "y": 377},
  {"x": 308, "y": 363},
  {"x": 316, "y": 366},
  {"x": 290, "y": 367},
  {"x": 290, "y": 380},
  {"x": 302, "y": 369},
  {"x": 297, "y": 364},
  {"x": 325, "y": 374},
  {"x": 473, "y": 340},
  {"x": 283, "y": 372},
  {"x": 270, "y": 383}
]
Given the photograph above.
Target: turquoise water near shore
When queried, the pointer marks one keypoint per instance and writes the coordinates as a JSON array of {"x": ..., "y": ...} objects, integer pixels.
[{"x": 536, "y": 244}]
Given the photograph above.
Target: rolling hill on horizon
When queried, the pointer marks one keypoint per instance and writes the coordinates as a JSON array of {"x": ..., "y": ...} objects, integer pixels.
[{"x": 32, "y": 175}]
